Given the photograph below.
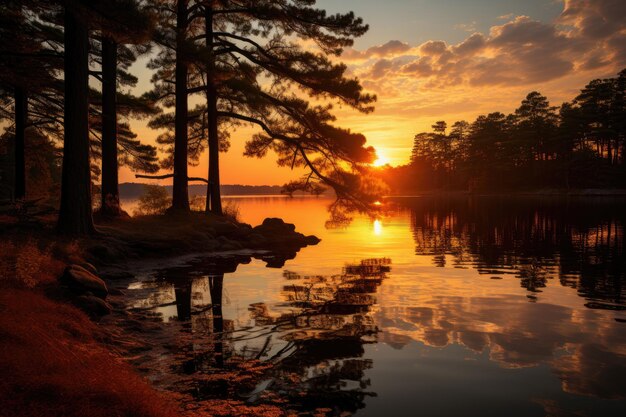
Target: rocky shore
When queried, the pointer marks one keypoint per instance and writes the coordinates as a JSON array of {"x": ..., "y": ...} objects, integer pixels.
[
  {"x": 52, "y": 348},
  {"x": 158, "y": 237}
]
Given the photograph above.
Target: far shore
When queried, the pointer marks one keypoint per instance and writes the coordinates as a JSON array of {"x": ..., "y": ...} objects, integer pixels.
[{"x": 587, "y": 192}]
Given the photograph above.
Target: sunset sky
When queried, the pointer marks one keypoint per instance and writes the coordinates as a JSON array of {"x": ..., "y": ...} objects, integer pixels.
[{"x": 450, "y": 60}]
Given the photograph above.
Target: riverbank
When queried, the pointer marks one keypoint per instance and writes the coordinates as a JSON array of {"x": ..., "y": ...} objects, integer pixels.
[{"x": 58, "y": 362}]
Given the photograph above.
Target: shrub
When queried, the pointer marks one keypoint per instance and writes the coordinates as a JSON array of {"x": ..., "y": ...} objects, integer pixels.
[
  {"x": 230, "y": 209},
  {"x": 197, "y": 203},
  {"x": 155, "y": 200},
  {"x": 53, "y": 366},
  {"x": 25, "y": 263}
]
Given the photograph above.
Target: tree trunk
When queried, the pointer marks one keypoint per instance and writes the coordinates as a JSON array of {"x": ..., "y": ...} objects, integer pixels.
[
  {"x": 110, "y": 201},
  {"x": 75, "y": 216},
  {"x": 216, "y": 285},
  {"x": 21, "y": 111},
  {"x": 182, "y": 293},
  {"x": 214, "y": 198},
  {"x": 180, "y": 197}
]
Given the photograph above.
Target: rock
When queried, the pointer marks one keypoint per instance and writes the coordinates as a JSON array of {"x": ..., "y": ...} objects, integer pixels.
[
  {"x": 312, "y": 240},
  {"x": 101, "y": 252},
  {"x": 92, "y": 305},
  {"x": 89, "y": 267},
  {"x": 117, "y": 275},
  {"x": 243, "y": 231},
  {"x": 227, "y": 244},
  {"x": 256, "y": 239},
  {"x": 225, "y": 228},
  {"x": 81, "y": 280},
  {"x": 275, "y": 229},
  {"x": 116, "y": 291},
  {"x": 278, "y": 224}
]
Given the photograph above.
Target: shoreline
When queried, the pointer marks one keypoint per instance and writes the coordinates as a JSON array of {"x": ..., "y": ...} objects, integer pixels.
[
  {"x": 51, "y": 289},
  {"x": 591, "y": 192}
]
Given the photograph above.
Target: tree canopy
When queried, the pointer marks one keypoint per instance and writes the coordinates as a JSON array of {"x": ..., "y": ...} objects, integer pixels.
[{"x": 580, "y": 144}]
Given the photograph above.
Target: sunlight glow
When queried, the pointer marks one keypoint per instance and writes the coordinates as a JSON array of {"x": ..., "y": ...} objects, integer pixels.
[
  {"x": 381, "y": 160},
  {"x": 378, "y": 227}
]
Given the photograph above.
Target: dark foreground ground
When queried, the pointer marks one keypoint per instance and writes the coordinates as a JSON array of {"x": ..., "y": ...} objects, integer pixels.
[{"x": 56, "y": 360}]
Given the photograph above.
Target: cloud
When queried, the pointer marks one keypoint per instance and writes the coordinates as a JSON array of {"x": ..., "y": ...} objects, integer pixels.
[
  {"x": 576, "y": 345},
  {"x": 467, "y": 27},
  {"x": 588, "y": 35},
  {"x": 390, "y": 48},
  {"x": 418, "y": 84},
  {"x": 380, "y": 68}
]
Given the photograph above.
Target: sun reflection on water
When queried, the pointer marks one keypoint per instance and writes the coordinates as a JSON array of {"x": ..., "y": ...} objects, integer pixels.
[{"x": 378, "y": 227}]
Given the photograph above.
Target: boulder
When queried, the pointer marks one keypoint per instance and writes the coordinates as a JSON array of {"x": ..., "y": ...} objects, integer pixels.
[
  {"x": 278, "y": 225},
  {"x": 312, "y": 240},
  {"x": 256, "y": 239},
  {"x": 225, "y": 228},
  {"x": 275, "y": 228},
  {"x": 81, "y": 280},
  {"x": 116, "y": 275},
  {"x": 92, "y": 305},
  {"x": 89, "y": 267}
]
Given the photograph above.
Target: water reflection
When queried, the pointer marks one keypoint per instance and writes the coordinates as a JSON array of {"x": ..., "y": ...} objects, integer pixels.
[
  {"x": 328, "y": 323},
  {"x": 513, "y": 303},
  {"x": 307, "y": 347},
  {"x": 578, "y": 242}
]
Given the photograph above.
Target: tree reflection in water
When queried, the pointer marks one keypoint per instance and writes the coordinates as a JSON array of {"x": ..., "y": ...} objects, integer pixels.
[
  {"x": 307, "y": 349},
  {"x": 302, "y": 341},
  {"x": 580, "y": 242},
  {"x": 329, "y": 322}
]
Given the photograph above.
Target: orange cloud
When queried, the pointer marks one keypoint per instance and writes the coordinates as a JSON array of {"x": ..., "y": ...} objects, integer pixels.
[{"x": 587, "y": 36}]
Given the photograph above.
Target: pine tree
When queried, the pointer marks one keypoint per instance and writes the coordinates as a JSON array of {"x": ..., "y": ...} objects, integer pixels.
[
  {"x": 114, "y": 68},
  {"x": 255, "y": 74},
  {"x": 27, "y": 69},
  {"x": 81, "y": 16}
]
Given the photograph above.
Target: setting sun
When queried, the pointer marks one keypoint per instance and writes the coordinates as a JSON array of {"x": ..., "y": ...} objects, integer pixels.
[{"x": 381, "y": 160}]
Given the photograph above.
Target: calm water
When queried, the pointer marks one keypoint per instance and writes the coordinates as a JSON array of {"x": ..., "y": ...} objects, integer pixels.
[{"x": 486, "y": 307}]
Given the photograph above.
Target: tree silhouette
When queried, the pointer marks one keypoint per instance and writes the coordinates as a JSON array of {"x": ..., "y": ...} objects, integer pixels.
[
  {"x": 113, "y": 67},
  {"x": 27, "y": 69},
  {"x": 580, "y": 145},
  {"x": 246, "y": 65}
]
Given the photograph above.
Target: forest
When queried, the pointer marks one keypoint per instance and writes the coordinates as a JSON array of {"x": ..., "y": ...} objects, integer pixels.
[
  {"x": 578, "y": 145},
  {"x": 66, "y": 97}
]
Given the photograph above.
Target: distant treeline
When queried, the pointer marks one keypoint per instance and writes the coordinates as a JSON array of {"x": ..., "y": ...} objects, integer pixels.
[
  {"x": 131, "y": 190},
  {"x": 580, "y": 144}
]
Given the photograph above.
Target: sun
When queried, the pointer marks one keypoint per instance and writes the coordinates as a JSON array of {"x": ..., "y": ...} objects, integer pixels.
[{"x": 381, "y": 160}]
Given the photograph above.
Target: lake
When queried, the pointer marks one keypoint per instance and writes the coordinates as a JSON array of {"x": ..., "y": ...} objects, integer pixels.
[{"x": 480, "y": 306}]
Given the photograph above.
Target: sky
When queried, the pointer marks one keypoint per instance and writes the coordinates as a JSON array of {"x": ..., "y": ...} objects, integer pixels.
[{"x": 430, "y": 60}]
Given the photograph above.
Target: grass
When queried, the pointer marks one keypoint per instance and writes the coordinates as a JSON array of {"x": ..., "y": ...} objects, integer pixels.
[
  {"x": 52, "y": 365},
  {"x": 51, "y": 360},
  {"x": 54, "y": 361}
]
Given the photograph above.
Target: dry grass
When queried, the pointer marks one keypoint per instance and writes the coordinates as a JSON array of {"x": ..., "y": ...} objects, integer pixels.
[
  {"x": 230, "y": 209},
  {"x": 27, "y": 262},
  {"x": 54, "y": 361},
  {"x": 50, "y": 360},
  {"x": 53, "y": 366}
]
